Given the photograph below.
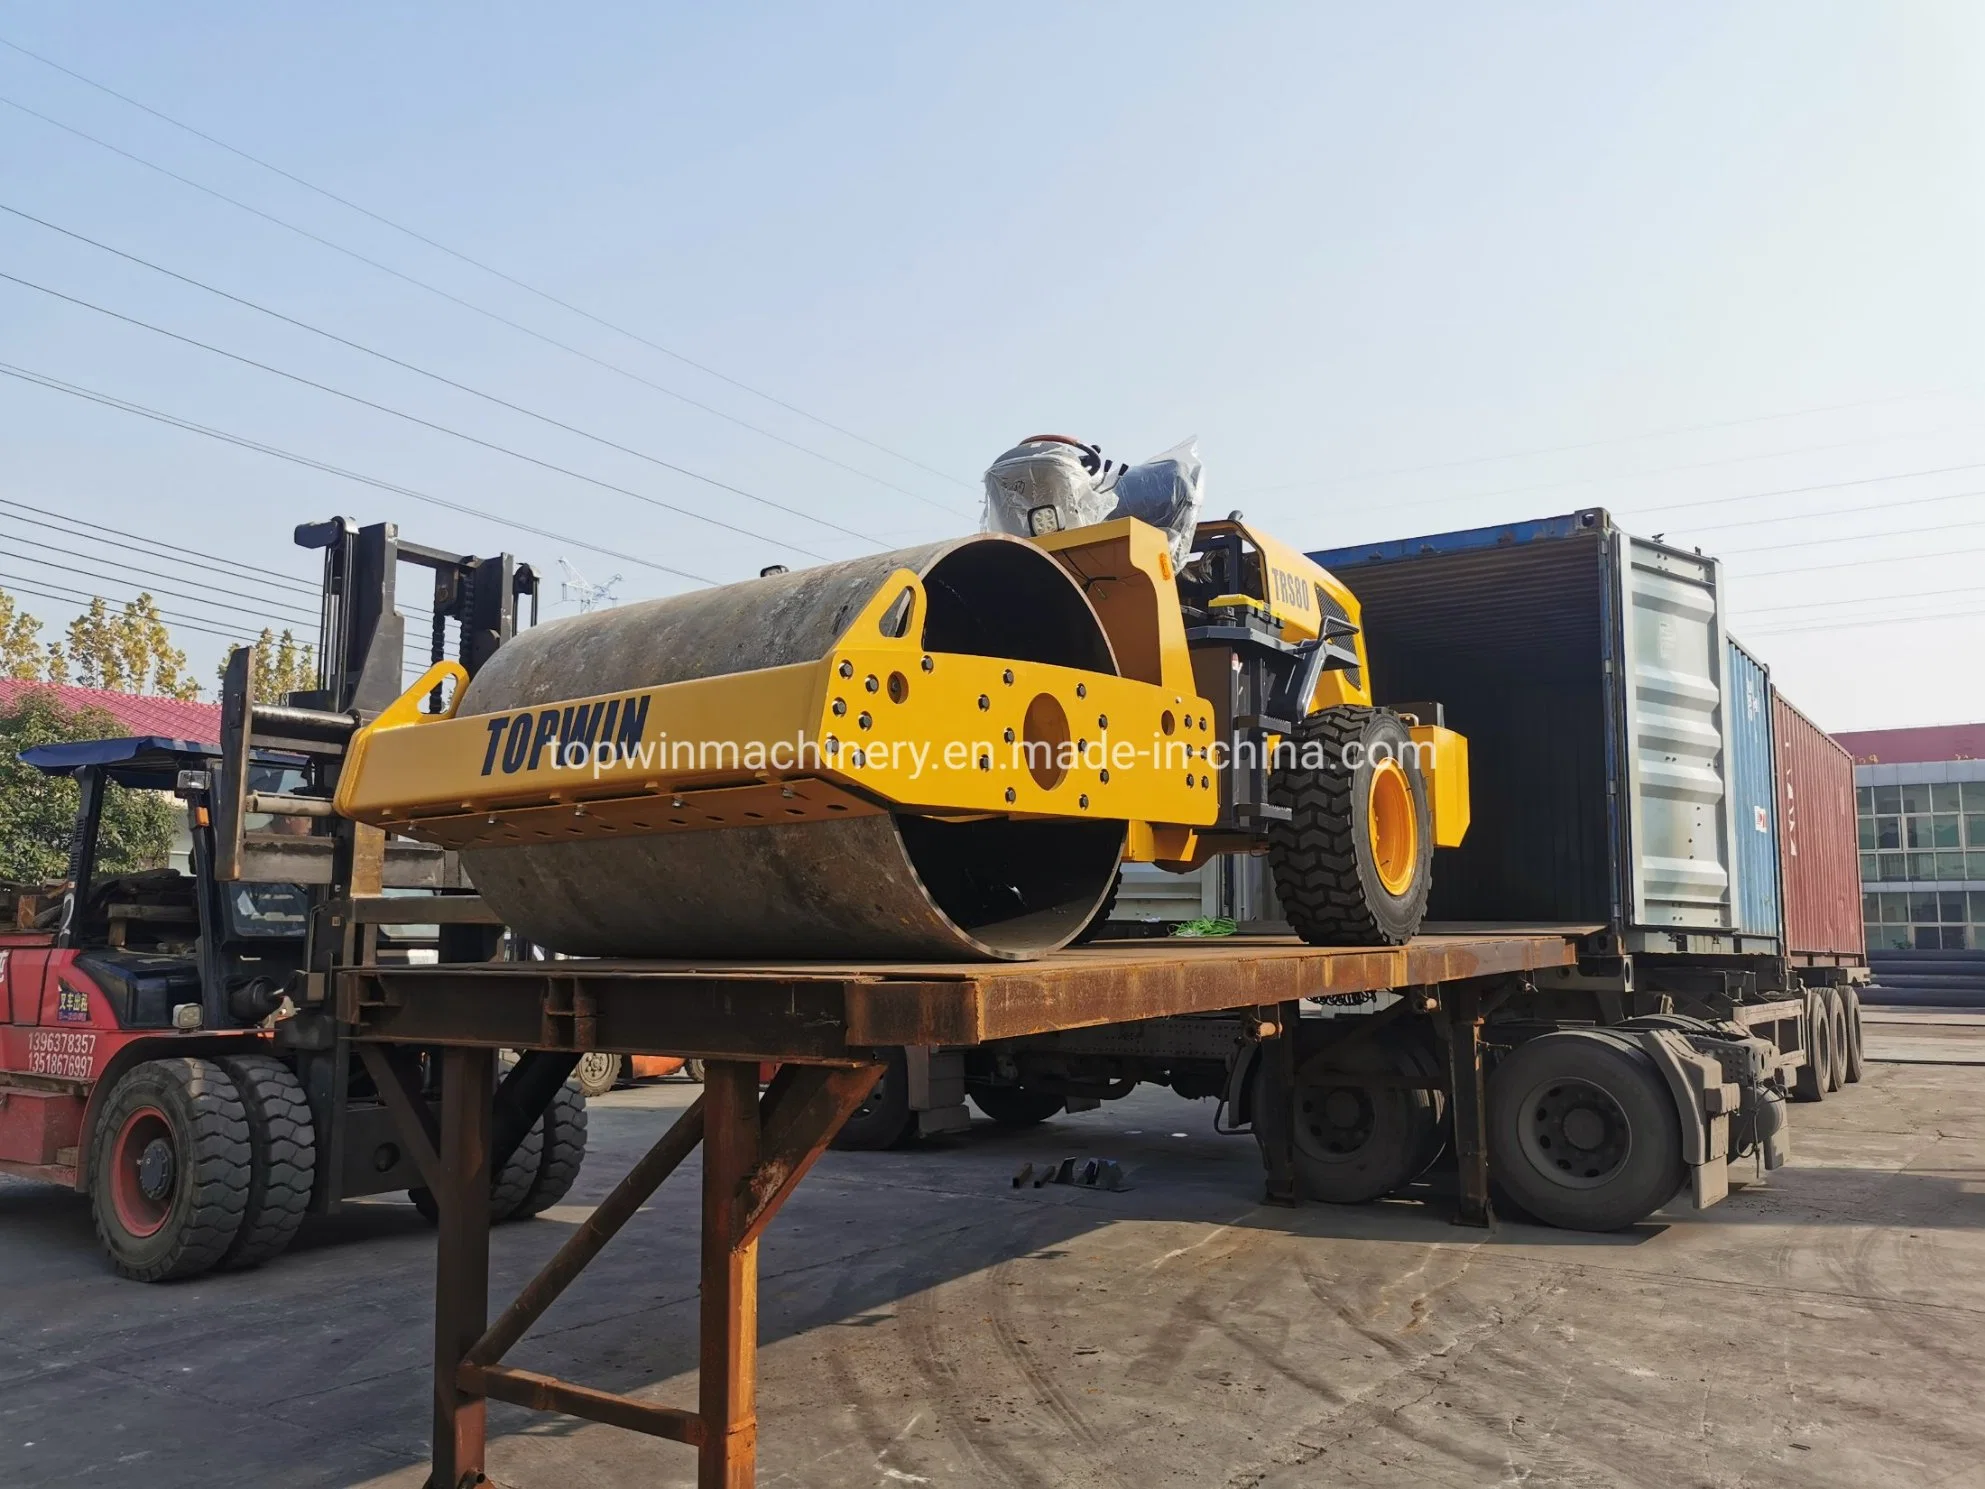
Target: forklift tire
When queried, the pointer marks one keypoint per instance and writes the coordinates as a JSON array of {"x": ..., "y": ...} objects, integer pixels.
[
  {"x": 1015, "y": 1106},
  {"x": 1583, "y": 1131},
  {"x": 884, "y": 1118},
  {"x": 1810, "y": 1081},
  {"x": 692, "y": 1070},
  {"x": 598, "y": 1073},
  {"x": 506, "y": 1191},
  {"x": 1354, "y": 863},
  {"x": 1856, "y": 1067},
  {"x": 169, "y": 1170},
  {"x": 283, "y": 1144},
  {"x": 564, "y": 1129},
  {"x": 1836, "y": 1012},
  {"x": 1356, "y": 1142}
]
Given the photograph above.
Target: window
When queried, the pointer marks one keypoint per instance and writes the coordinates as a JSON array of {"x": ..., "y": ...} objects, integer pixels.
[
  {"x": 1916, "y": 798},
  {"x": 1895, "y": 908},
  {"x": 1950, "y": 865},
  {"x": 1945, "y": 827},
  {"x": 1864, "y": 800},
  {"x": 1944, "y": 797},
  {"x": 1895, "y": 866},
  {"x": 1974, "y": 796},
  {"x": 1871, "y": 907},
  {"x": 1868, "y": 831},
  {"x": 1888, "y": 799},
  {"x": 1974, "y": 831},
  {"x": 1929, "y": 938},
  {"x": 1953, "y": 938},
  {"x": 1888, "y": 832},
  {"x": 1977, "y": 865},
  {"x": 1922, "y": 866},
  {"x": 1977, "y": 906}
]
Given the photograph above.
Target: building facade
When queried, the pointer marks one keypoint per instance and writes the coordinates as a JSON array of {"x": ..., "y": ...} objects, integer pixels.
[{"x": 1920, "y": 799}]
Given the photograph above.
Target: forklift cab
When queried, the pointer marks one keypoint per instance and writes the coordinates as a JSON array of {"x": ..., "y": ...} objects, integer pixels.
[{"x": 168, "y": 949}]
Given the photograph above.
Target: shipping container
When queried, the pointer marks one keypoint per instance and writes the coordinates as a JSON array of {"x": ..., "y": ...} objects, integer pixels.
[
  {"x": 1753, "y": 785},
  {"x": 1592, "y": 674},
  {"x": 1819, "y": 863}
]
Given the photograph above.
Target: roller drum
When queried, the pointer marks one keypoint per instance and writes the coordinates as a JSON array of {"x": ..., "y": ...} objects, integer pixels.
[{"x": 889, "y": 885}]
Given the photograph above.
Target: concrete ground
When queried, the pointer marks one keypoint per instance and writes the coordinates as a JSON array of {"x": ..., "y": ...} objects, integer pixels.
[{"x": 925, "y": 1323}]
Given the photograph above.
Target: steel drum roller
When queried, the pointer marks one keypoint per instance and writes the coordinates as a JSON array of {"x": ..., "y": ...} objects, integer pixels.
[{"x": 890, "y": 885}]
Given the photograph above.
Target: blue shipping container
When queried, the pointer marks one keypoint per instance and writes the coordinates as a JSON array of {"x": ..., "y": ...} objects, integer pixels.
[{"x": 1752, "y": 779}]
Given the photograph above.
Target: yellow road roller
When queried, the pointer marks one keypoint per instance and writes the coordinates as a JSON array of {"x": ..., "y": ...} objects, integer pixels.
[{"x": 943, "y": 752}]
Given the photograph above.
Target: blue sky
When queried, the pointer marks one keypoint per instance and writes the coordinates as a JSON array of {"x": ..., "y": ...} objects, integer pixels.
[{"x": 1401, "y": 269}]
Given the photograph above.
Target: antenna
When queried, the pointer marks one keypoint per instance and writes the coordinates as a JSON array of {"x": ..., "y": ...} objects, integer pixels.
[{"x": 576, "y": 587}]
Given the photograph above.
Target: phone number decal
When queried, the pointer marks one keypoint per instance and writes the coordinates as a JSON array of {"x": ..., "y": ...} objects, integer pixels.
[{"x": 61, "y": 1052}]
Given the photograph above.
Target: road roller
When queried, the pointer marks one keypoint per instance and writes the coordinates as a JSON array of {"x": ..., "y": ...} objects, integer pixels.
[{"x": 944, "y": 752}]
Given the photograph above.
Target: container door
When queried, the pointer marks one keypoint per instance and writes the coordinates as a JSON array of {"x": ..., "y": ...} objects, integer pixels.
[
  {"x": 1753, "y": 787},
  {"x": 1679, "y": 807}
]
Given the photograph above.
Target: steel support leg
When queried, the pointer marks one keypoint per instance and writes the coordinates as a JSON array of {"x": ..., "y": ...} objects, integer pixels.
[
  {"x": 461, "y": 1263},
  {"x": 1463, "y": 1009},
  {"x": 1275, "y": 1108},
  {"x": 728, "y": 1387}
]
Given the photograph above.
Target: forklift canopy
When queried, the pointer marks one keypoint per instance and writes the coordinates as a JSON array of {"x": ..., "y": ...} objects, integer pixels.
[{"x": 147, "y": 762}]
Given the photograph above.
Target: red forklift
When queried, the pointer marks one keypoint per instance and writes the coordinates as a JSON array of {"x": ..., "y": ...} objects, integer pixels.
[{"x": 169, "y": 1049}]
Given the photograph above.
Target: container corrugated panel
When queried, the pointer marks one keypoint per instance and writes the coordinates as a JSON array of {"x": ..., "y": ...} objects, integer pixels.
[
  {"x": 1753, "y": 789},
  {"x": 1673, "y": 658},
  {"x": 1819, "y": 860}
]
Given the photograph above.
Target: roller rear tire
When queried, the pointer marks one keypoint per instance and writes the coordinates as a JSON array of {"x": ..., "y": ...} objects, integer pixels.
[{"x": 1354, "y": 863}]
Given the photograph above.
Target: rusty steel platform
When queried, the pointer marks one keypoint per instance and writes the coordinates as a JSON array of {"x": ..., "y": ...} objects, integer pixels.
[
  {"x": 828, "y": 1028},
  {"x": 814, "y": 1012}
]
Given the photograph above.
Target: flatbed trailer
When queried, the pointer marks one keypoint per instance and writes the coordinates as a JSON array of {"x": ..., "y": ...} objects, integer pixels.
[{"x": 831, "y": 1029}]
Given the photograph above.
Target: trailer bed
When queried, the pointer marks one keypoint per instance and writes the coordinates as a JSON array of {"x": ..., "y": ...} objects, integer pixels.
[{"x": 832, "y": 1013}]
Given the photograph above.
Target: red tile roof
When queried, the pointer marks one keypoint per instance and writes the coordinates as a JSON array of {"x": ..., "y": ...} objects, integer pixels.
[
  {"x": 173, "y": 719},
  {"x": 1911, "y": 746}
]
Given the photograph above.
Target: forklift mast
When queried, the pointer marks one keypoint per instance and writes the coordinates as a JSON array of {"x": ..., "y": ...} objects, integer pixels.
[{"x": 262, "y": 832}]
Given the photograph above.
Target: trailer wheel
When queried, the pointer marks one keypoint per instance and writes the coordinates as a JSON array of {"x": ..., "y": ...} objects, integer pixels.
[
  {"x": 1851, "y": 1000},
  {"x": 883, "y": 1119},
  {"x": 1583, "y": 1131},
  {"x": 169, "y": 1170},
  {"x": 1836, "y": 1014},
  {"x": 692, "y": 1070},
  {"x": 564, "y": 1150},
  {"x": 1354, "y": 862},
  {"x": 1015, "y": 1106},
  {"x": 1816, "y": 1028},
  {"x": 1356, "y": 1142},
  {"x": 598, "y": 1072},
  {"x": 282, "y": 1143}
]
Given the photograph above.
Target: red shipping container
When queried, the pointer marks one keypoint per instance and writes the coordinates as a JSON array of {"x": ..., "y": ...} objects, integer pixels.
[{"x": 1819, "y": 851}]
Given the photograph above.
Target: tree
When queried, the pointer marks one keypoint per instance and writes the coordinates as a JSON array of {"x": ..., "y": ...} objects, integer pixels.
[
  {"x": 129, "y": 651},
  {"x": 38, "y": 812},
  {"x": 282, "y": 665},
  {"x": 20, "y": 652}
]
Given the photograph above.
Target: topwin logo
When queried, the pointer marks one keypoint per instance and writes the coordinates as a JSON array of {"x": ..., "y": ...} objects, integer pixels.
[{"x": 524, "y": 741}]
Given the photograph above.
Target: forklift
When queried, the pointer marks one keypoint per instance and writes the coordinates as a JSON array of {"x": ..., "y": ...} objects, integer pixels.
[{"x": 169, "y": 1048}]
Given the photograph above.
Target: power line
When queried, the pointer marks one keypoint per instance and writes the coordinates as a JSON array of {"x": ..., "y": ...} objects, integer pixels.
[
  {"x": 384, "y": 408},
  {"x": 1900, "y": 532},
  {"x": 1906, "y": 475},
  {"x": 1860, "y": 599},
  {"x": 456, "y": 253},
  {"x": 1859, "y": 625},
  {"x": 177, "y": 594},
  {"x": 124, "y": 405},
  {"x": 19, "y": 584},
  {"x": 1858, "y": 563},
  {"x": 446, "y": 381},
  {"x": 1881, "y": 506},
  {"x": 1622, "y": 439},
  {"x": 206, "y": 590},
  {"x": 30, "y": 542},
  {"x": 191, "y": 554},
  {"x": 471, "y": 306}
]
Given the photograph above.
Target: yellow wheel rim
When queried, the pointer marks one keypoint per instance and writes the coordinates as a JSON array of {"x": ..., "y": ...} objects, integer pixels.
[{"x": 1394, "y": 826}]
